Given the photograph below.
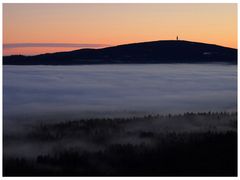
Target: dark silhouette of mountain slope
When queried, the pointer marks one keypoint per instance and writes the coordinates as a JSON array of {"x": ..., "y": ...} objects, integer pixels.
[{"x": 172, "y": 51}]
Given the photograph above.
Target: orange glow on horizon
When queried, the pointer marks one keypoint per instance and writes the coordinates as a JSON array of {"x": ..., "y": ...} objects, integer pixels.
[
  {"x": 116, "y": 24},
  {"x": 35, "y": 50},
  {"x": 38, "y": 50}
]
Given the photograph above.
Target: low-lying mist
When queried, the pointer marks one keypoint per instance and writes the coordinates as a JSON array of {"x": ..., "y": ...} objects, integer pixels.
[
  {"x": 168, "y": 119},
  {"x": 60, "y": 92},
  {"x": 96, "y": 134}
]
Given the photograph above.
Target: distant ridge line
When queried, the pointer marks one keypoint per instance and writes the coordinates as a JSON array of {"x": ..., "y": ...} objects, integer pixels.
[{"x": 164, "y": 51}]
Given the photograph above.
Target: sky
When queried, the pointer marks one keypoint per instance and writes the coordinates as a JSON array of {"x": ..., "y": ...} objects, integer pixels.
[{"x": 41, "y": 28}]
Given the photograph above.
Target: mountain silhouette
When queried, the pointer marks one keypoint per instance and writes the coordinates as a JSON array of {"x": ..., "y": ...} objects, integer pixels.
[{"x": 167, "y": 51}]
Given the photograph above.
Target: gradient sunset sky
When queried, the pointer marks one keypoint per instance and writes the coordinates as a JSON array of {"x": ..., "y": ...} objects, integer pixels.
[{"x": 40, "y": 28}]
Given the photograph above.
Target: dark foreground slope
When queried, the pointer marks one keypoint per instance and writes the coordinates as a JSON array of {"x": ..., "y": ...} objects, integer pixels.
[
  {"x": 146, "y": 52},
  {"x": 204, "y": 154},
  {"x": 125, "y": 147}
]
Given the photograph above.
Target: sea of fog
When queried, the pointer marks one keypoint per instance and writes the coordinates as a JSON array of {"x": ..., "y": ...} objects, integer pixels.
[{"x": 69, "y": 92}]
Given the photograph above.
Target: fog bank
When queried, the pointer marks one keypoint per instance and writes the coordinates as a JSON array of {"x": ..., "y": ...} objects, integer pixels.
[{"x": 57, "y": 92}]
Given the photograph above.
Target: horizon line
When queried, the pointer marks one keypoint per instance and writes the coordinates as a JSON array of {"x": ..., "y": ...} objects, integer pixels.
[
  {"x": 67, "y": 45},
  {"x": 85, "y": 45}
]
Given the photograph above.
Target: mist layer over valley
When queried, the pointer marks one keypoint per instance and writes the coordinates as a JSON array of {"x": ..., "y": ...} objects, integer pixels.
[
  {"x": 116, "y": 90},
  {"x": 97, "y": 119}
]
